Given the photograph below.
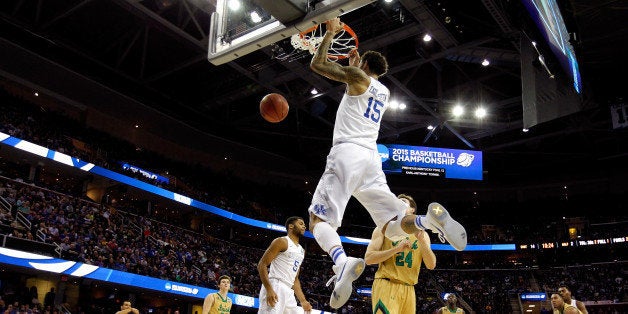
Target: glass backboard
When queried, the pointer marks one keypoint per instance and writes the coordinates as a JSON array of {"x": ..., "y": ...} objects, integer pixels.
[{"x": 239, "y": 27}]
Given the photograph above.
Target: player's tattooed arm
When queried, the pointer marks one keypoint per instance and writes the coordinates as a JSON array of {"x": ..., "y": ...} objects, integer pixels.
[{"x": 324, "y": 67}]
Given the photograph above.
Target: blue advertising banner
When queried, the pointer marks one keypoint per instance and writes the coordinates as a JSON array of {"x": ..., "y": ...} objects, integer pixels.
[
  {"x": 431, "y": 162},
  {"x": 366, "y": 291},
  {"x": 145, "y": 173},
  {"x": 534, "y": 296},
  {"x": 76, "y": 269}
]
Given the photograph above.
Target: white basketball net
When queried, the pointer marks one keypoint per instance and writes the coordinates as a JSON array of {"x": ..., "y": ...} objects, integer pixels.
[{"x": 340, "y": 46}]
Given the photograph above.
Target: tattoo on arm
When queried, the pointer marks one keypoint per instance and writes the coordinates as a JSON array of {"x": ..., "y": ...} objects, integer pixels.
[
  {"x": 321, "y": 53},
  {"x": 322, "y": 66}
]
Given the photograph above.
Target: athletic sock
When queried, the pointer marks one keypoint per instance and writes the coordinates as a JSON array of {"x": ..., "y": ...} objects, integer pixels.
[
  {"x": 421, "y": 222},
  {"x": 329, "y": 240}
]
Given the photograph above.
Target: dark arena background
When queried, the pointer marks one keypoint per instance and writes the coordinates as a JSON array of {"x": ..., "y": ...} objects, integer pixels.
[{"x": 134, "y": 163}]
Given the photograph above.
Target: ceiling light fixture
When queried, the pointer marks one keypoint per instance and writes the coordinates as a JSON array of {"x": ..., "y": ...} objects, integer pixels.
[
  {"x": 458, "y": 111},
  {"x": 480, "y": 113},
  {"x": 234, "y": 5},
  {"x": 314, "y": 91},
  {"x": 427, "y": 38},
  {"x": 485, "y": 62},
  {"x": 255, "y": 17}
]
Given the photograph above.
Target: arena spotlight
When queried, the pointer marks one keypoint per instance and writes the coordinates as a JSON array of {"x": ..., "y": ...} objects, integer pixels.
[
  {"x": 314, "y": 91},
  {"x": 388, "y": 1},
  {"x": 255, "y": 17},
  {"x": 36, "y": 94},
  {"x": 525, "y": 130},
  {"x": 457, "y": 111},
  {"x": 394, "y": 104},
  {"x": 430, "y": 127},
  {"x": 480, "y": 113},
  {"x": 234, "y": 5},
  {"x": 402, "y": 106},
  {"x": 427, "y": 38},
  {"x": 485, "y": 62}
]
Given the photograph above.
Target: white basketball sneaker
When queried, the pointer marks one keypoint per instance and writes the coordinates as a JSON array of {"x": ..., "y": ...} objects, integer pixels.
[
  {"x": 343, "y": 279},
  {"x": 440, "y": 222}
]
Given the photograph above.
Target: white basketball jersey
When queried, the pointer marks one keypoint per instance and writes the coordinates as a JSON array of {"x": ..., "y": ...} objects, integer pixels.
[
  {"x": 286, "y": 265},
  {"x": 358, "y": 117},
  {"x": 573, "y": 303}
]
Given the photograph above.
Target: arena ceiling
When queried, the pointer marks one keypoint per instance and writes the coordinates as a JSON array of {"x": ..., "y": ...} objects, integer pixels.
[{"x": 154, "y": 51}]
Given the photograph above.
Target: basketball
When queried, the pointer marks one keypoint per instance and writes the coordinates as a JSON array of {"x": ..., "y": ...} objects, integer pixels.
[{"x": 273, "y": 108}]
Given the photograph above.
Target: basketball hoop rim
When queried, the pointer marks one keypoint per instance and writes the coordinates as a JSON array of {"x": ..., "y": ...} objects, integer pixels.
[{"x": 347, "y": 29}]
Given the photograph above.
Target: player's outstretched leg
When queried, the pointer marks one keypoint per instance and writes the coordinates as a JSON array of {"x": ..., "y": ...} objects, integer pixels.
[
  {"x": 440, "y": 222},
  {"x": 345, "y": 274}
]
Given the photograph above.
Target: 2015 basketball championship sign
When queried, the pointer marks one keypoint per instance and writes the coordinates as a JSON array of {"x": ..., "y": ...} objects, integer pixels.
[{"x": 431, "y": 162}]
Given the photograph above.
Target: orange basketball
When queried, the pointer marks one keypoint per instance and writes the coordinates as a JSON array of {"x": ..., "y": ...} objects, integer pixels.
[{"x": 273, "y": 108}]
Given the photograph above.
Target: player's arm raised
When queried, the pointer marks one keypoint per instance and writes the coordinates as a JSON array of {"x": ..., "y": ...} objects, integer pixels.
[
  {"x": 374, "y": 253},
  {"x": 333, "y": 70}
]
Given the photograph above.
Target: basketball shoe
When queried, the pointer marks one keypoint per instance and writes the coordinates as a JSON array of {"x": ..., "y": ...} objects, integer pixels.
[
  {"x": 440, "y": 222},
  {"x": 343, "y": 279}
]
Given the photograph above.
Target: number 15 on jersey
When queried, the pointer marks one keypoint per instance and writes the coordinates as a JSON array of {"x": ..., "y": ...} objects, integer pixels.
[{"x": 376, "y": 106}]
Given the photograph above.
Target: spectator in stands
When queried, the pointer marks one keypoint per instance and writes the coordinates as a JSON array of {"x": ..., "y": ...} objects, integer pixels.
[
  {"x": 565, "y": 293},
  {"x": 451, "y": 306},
  {"x": 399, "y": 266},
  {"x": 9, "y": 309},
  {"x": 126, "y": 308},
  {"x": 560, "y": 307},
  {"x": 49, "y": 298}
]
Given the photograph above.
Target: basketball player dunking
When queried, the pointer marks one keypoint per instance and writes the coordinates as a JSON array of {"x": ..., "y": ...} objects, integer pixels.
[{"x": 354, "y": 168}]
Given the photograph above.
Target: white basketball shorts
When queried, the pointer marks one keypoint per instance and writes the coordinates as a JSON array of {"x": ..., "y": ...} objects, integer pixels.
[
  {"x": 354, "y": 170},
  {"x": 286, "y": 303}
]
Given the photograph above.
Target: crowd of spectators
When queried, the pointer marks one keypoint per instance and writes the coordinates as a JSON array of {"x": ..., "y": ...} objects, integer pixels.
[
  {"x": 106, "y": 237},
  {"x": 594, "y": 282},
  {"x": 20, "y": 299}
]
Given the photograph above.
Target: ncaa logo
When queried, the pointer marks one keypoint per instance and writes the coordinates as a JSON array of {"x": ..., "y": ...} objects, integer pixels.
[
  {"x": 465, "y": 159},
  {"x": 168, "y": 286},
  {"x": 383, "y": 152}
]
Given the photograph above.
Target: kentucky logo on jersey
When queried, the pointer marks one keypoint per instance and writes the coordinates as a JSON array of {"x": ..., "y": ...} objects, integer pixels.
[{"x": 319, "y": 209}]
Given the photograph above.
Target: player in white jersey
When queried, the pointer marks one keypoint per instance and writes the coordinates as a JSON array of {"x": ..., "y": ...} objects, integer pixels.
[
  {"x": 284, "y": 255},
  {"x": 354, "y": 168},
  {"x": 565, "y": 293}
]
